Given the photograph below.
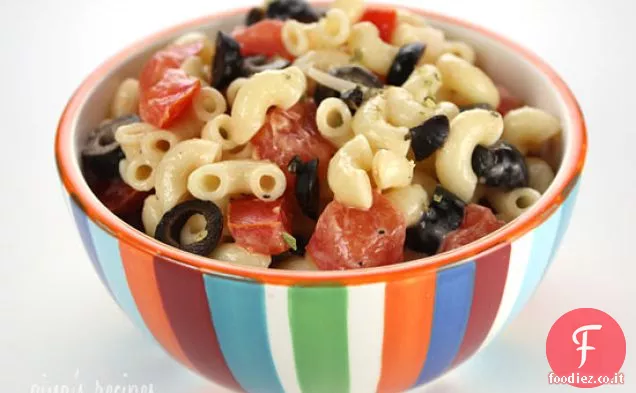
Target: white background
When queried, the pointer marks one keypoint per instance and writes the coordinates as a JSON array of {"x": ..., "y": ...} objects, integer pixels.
[{"x": 58, "y": 325}]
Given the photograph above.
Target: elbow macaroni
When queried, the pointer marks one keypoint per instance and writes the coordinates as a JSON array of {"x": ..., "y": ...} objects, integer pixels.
[
  {"x": 172, "y": 172},
  {"x": 233, "y": 89},
  {"x": 512, "y": 204},
  {"x": 269, "y": 88},
  {"x": 151, "y": 214},
  {"x": 208, "y": 103},
  {"x": 352, "y": 8},
  {"x": 347, "y": 173},
  {"x": 216, "y": 181},
  {"x": 333, "y": 119},
  {"x": 374, "y": 53},
  {"x": 207, "y": 52},
  {"x": 540, "y": 174},
  {"x": 126, "y": 100},
  {"x": 371, "y": 121},
  {"x": 528, "y": 128},
  {"x": 237, "y": 255},
  {"x": 219, "y": 130},
  {"x": 467, "y": 81},
  {"x": 406, "y": 33},
  {"x": 391, "y": 170},
  {"x": 138, "y": 172},
  {"x": 411, "y": 200},
  {"x": 329, "y": 32},
  {"x": 461, "y": 50},
  {"x": 453, "y": 162},
  {"x": 424, "y": 82}
]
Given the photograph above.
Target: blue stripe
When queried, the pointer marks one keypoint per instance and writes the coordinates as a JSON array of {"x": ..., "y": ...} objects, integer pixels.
[
  {"x": 567, "y": 207},
  {"x": 453, "y": 298},
  {"x": 238, "y": 314},
  {"x": 543, "y": 240},
  {"x": 81, "y": 221},
  {"x": 107, "y": 250}
]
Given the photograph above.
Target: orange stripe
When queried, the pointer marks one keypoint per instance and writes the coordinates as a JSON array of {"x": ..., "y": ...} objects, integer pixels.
[
  {"x": 142, "y": 280},
  {"x": 408, "y": 318}
]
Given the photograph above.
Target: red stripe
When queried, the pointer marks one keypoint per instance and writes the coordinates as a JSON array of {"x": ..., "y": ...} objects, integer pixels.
[
  {"x": 408, "y": 318},
  {"x": 490, "y": 279},
  {"x": 186, "y": 304}
]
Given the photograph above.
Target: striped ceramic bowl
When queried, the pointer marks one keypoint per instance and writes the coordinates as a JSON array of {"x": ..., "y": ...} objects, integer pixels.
[{"x": 376, "y": 330}]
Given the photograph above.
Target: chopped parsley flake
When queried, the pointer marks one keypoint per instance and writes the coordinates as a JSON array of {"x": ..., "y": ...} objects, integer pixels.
[{"x": 290, "y": 240}]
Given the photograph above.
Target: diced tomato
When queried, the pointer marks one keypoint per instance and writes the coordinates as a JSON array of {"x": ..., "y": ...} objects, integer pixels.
[
  {"x": 168, "y": 58},
  {"x": 262, "y": 38},
  {"x": 166, "y": 90},
  {"x": 292, "y": 132},
  {"x": 349, "y": 238},
  {"x": 385, "y": 19},
  {"x": 507, "y": 101},
  {"x": 478, "y": 222},
  {"x": 161, "y": 104},
  {"x": 119, "y": 197},
  {"x": 258, "y": 225}
]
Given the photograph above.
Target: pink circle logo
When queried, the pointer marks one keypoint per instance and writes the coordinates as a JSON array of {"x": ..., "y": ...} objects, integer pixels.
[{"x": 586, "y": 348}]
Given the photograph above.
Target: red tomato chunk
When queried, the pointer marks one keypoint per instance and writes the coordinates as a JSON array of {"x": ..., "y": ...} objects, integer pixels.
[
  {"x": 262, "y": 38},
  {"x": 478, "y": 222},
  {"x": 385, "y": 19},
  {"x": 507, "y": 101},
  {"x": 258, "y": 225},
  {"x": 349, "y": 238},
  {"x": 292, "y": 132},
  {"x": 119, "y": 198},
  {"x": 165, "y": 90}
]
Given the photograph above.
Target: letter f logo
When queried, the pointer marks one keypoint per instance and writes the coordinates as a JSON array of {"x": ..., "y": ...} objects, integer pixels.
[{"x": 584, "y": 347}]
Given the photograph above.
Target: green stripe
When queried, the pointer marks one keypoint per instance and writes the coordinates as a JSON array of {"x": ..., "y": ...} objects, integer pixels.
[{"x": 318, "y": 320}]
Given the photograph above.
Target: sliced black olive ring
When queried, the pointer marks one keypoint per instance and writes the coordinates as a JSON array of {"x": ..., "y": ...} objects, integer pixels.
[
  {"x": 169, "y": 228},
  {"x": 102, "y": 152},
  {"x": 429, "y": 136},
  {"x": 307, "y": 185},
  {"x": 227, "y": 63},
  {"x": 299, "y": 10},
  {"x": 255, "y": 64},
  {"x": 500, "y": 165},
  {"x": 404, "y": 63},
  {"x": 255, "y": 15},
  {"x": 445, "y": 214},
  {"x": 354, "y": 97}
]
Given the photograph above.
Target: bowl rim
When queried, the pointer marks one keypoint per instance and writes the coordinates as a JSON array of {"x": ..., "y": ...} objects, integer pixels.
[{"x": 74, "y": 183}]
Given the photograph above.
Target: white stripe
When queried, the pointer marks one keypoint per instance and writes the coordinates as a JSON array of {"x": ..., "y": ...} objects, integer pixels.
[
  {"x": 519, "y": 260},
  {"x": 280, "y": 338},
  {"x": 365, "y": 320}
]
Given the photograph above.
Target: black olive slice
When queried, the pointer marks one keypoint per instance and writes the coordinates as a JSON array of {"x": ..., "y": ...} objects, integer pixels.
[
  {"x": 255, "y": 64},
  {"x": 445, "y": 214},
  {"x": 429, "y": 136},
  {"x": 482, "y": 105},
  {"x": 299, "y": 10},
  {"x": 255, "y": 15},
  {"x": 307, "y": 186},
  {"x": 355, "y": 74},
  {"x": 102, "y": 152},
  {"x": 353, "y": 98},
  {"x": 404, "y": 63},
  {"x": 228, "y": 62},
  {"x": 500, "y": 165},
  {"x": 169, "y": 228}
]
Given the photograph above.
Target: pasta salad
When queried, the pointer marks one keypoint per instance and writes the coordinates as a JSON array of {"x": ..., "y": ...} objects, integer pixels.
[{"x": 352, "y": 138}]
